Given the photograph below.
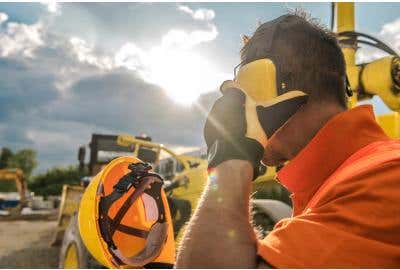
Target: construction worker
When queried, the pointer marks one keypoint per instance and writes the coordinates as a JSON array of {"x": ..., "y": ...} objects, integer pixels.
[{"x": 343, "y": 171}]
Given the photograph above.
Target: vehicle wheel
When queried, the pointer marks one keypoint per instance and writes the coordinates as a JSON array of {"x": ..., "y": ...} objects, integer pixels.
[
  {"x": 73, "y": 253},
  {"x": 262, "y": 221},
  {"x": 266, "y": 213}
]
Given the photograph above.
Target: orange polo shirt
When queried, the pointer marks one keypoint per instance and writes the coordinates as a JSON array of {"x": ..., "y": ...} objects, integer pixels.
[{"x": 358, "y": 223}]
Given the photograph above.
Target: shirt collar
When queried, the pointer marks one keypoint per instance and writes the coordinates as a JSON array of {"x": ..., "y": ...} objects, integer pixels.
[{"x": 338, "y": 139}]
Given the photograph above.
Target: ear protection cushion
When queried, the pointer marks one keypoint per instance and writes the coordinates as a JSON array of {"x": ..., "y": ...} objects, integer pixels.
[{"x": 275, "y": 116}]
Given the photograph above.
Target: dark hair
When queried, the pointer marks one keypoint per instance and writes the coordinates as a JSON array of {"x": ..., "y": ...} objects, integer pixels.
[{"x": 307, "y": 56}]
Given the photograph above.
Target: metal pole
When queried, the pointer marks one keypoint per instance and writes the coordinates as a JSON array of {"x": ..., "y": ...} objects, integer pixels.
[{"x": 345, "y": 22}]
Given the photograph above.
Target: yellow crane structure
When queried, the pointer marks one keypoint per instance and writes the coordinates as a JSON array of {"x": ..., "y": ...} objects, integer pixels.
[{"x": 380, "y": 77}]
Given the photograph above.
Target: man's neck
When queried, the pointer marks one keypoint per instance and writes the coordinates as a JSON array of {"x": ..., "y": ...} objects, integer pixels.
[{"x": 298, "y": 131}]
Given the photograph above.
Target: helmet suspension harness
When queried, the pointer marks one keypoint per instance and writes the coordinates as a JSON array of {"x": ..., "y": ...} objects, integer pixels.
[{"x": 144, "y": 182}]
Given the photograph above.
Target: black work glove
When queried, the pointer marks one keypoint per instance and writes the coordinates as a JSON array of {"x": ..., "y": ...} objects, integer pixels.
[{"x": 232, "y": 130}]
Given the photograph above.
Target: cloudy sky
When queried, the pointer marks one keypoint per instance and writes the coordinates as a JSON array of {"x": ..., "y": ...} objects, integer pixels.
[{"x": 69, "y": 69}]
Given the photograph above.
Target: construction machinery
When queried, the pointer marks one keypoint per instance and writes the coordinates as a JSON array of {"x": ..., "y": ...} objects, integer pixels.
[
  {"x": 184, "y": 179},
  {"x": 15, "y": 178},
  {"x": 380, "y": 77}
]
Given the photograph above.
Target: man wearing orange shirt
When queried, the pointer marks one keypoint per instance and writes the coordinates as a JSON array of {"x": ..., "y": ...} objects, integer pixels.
[{"x": 343, "y": 171}]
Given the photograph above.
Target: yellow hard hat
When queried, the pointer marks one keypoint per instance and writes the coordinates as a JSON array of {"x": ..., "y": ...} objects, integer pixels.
[{"x": 124, "y": 218}]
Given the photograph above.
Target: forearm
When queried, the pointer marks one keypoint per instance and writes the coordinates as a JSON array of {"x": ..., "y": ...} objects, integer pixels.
[{"x": 220, "y": 234}]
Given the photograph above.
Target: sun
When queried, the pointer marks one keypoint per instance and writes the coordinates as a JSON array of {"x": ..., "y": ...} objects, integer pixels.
[{"x": 183, "y": 75}]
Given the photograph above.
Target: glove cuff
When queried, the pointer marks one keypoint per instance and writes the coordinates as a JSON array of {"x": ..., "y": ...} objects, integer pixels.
[{"x": 242, "y": 149}]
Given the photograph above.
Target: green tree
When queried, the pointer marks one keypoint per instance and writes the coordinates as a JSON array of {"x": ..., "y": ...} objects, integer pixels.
[
  {"x": 51, "y": 182},
  {"x": 25, "y": 159},
  {"x": 5, "y": 156}
]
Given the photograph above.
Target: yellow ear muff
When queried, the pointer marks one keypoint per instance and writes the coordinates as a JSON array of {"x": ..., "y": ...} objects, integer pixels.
[{"x": 259, "y": 80}]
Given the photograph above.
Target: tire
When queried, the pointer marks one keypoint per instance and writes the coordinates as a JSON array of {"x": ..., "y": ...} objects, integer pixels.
[
  {"x": 275, "y": 209},
  {"x": 73, "y": 253},
  {"x": 266, "y": 213},
  {"x": 262, "y": 222}
]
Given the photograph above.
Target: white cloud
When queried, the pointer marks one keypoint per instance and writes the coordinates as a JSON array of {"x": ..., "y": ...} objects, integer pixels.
[
  {"x": 20, "y": 39},
  {"x": 185, "y": 9},
  {"x": 3, "y": 17},
  {"x": 130, "y": 56},
  {"x": 85, "y": 54},
  {"x": 52, "y": 6},
  {"x": 183, "y": 39},
  {"x": 391, "y": 28},
  {"x": 390, "y": 34},
  {"x": 201, "y": 14},
  {"x": 366, "y": 55}
]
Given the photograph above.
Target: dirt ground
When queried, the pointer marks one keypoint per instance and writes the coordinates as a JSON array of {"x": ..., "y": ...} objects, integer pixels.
[{"x": 26, "y": 244}]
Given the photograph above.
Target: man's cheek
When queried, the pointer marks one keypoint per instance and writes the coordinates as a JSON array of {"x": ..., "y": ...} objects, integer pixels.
[{"x": 273, "y": 153}]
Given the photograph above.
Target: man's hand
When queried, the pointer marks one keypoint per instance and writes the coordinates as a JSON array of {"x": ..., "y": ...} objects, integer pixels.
[
  {"x": 233, "y": 130},
  {"x": 254, "y": 128}
]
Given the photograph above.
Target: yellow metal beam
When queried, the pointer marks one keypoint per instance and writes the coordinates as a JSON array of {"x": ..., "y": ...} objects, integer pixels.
[
  {"x": 345, "y": 22},
  {"x": 127, "y": 140},
  {"x": 345, "y": 16},
  {"x": 390, "y": 123}
]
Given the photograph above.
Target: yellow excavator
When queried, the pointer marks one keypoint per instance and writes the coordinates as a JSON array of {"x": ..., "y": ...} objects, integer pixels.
[{"x": 16, "y": 176}]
